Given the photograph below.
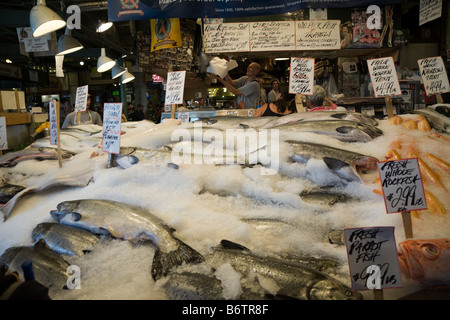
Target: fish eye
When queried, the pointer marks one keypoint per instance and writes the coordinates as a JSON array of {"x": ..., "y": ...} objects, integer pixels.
[{"x": 430, "y": 251}]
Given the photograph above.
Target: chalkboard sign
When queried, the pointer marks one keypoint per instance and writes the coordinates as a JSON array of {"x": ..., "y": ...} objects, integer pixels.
[
  {"x": 81, "y": 98},
  {"x": 226, "y": 37},
  {"x": 434, "y": 75},
  {"x": 301, "y": 77},
  {"x": 112, "y": 119},
  {"x": 53, "y": 123},
  {"x": 384, "y": 77},
  {"x": 402, "y": 185},
  {"x": 175, "y": 87},
  {"x": 372, "y": 258},
  {"x": 3, "y": 136},
  {"x": 318, "y": 35},
  {"x": 272, "y": 35}
]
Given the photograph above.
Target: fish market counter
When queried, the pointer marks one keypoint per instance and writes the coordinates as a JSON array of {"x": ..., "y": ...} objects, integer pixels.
[{"x": 193, "y": 115}]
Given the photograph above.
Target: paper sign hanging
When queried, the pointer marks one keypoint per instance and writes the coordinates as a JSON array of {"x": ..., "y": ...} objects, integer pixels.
[
  {"x": 81, "y": 98},
  {"x": 434, "y": 75},
  {"x": 175, "y": 87},
  {"x": 429, "y": 10},
  {"x": 402, "y": 185},
  {"x": 53, "y": 123},
  {"x": 112, "y": 120},
  {"x": 3, "y": 135},
  {"x": 301, "y": 76},
  {"x": 372, "y": 258},
  {"x": 384, "y": 77},
  {"x": 165, "y": 33}
]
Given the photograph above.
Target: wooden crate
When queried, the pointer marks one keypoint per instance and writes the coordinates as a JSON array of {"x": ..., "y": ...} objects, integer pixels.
[{"x": 12, "y": 107}]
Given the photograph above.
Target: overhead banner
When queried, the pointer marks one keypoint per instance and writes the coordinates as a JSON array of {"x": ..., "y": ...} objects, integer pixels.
[{"x": 124, "y": 10}]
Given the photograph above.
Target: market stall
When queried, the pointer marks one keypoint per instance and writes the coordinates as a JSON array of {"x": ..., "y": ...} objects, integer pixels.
[{"x": 218, "y": 204}]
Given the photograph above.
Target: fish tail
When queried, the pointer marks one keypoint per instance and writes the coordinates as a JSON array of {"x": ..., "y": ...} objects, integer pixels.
[
  {"x": 7, "y": 208},
  {"x": 164, "y": 261}
]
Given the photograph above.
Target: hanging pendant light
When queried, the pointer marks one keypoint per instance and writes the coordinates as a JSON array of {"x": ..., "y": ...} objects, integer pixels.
[
  {"x": 44, "y": 20},
  {"x": 103, "y": 26},
  {"x": 68, "y": 44},
  {"x": 127, "y": 77},
  {"x": 117, "y": 71},
  {"x": 104, "y": 63}
]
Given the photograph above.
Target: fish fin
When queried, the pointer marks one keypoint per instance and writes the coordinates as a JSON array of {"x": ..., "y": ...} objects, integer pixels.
[
  {"x": 233, "y": 245},
  {"x": 163, "y": 262}
]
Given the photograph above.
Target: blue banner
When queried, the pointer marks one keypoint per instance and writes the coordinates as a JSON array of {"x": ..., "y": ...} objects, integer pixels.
[{"x": 123, "y": 10}]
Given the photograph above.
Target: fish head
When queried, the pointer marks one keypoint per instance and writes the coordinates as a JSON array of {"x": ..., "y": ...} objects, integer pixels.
[
  {"x": 66, "y": 208},
  {"x": 330, "y": 289},
  {"x": 40, "y": 231},
  {"x": 427, "y": 261},
  {"x": 352, "y": 134}
]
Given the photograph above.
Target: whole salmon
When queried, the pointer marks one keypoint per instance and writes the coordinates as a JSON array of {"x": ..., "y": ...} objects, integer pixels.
[{"x": 130, "y": 223}]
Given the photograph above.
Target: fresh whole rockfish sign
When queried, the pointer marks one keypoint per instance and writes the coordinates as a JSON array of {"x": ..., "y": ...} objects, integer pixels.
[{"x": 129, "y": 223}]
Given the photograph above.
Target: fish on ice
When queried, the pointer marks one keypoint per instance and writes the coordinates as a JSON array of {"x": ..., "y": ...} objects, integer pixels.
[{"x": 130, "y": 223}]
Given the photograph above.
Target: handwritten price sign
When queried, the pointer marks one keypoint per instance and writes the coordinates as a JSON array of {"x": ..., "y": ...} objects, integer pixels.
[
  {"x": 3, "y": 135},
  {"x": 81, "y": 98},
  {"x": 434, "y": 75},
  {"x": 175, "y": 87},
  {"x": 53, "y": 123},
  {"x": 301, "y": 77},
  {"x": 112, "y": 120},
  {"x": 402, "y": 185},
  {"x": 384, "y": 77},
  {"x": 372, "y": 258}
]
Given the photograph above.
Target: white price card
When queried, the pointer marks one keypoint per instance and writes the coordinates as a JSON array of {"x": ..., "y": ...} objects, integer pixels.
[
  {"x": 301, "y": 76},
  {"x": 384, "y": 77},
  {"x": 402, "y": 185},
  {"x": 81, "y": 98},
  {"x": 175, "y": 87},
  {"x": 112, "y": 120},
  {"x": 372, "y": 258},
  {"x": 53, "y": 123},
  {"x": 434, "y": 75}
]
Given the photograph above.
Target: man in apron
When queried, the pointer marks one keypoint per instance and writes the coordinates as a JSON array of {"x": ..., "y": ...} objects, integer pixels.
[{"x": 84, "y": 117}]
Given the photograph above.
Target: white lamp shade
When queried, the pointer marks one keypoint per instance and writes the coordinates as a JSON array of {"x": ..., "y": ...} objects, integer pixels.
[
  {"x": 127, "y": 77},
  {"x": 44, "y": 20},
  {"x": 117, "y": 71},
  {"x": 104, "y": 26},
  {"x": 67, "y": 44},
  {"x": 104, "y": 63}
]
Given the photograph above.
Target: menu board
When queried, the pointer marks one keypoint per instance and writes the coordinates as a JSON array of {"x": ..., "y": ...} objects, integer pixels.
[
  {"x": 3, "y": 136},
  {"x": 301, "y": 76},
  {"x": 81, "y": 98},
  {"x": 402, "y": 185},
  {"x": 272, "y": 35},
  {"x": 372, "y": 258},
  {"x": 112, "y": 120},
  {"x": 53, "y": 123},
  {"x": 384, "y": 77},
  {"x": 175, "y": 87},
  {"x": 318, "y": 35},
  {"x": 226, "y": 37},
  {"x": 434, "y": 75}
]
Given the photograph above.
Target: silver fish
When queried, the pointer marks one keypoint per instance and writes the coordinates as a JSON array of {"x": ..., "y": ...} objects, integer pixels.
[
  {"x": 321, "y": 115},
  {"x": 346, "y": 164},
  {"x": 129, "y": 223},
  {"x": 324, "y": 196},
  {"x": 49, "y": 268},
  {"x": 293, "y": 280},
  {"x": 236, "y": 122},
  {"x": 343, "y": 130},
  {"x": 64, "y": 239},
  {"x": 10, "y": 159}
]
